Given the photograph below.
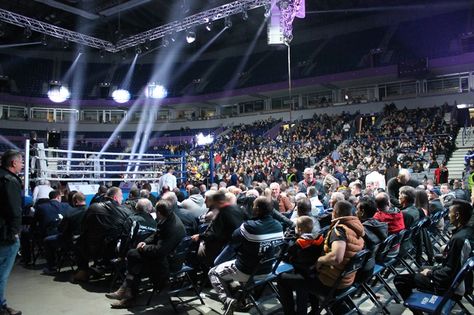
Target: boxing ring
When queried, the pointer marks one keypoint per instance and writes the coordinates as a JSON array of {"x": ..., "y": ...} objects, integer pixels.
[{"x": 89, "y": 167}]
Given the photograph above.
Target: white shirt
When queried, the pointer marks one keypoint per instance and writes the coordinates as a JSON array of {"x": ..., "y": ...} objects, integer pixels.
[
  {"x": 41, "y": 192},
  {"x": 167, "y": 180},
  {"x": 376, "y": 178}
]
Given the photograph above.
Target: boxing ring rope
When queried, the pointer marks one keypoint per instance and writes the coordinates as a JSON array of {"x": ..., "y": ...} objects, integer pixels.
[{"x": 53, "y": 165}]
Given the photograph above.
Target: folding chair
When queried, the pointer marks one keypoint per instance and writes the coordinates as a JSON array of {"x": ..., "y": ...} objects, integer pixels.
[
  {"x": 278, "y": 267},
  {"x": 180, "y": 281},
  {"x": 333, "y": 297},
  {"x": 435, "y": 304}
]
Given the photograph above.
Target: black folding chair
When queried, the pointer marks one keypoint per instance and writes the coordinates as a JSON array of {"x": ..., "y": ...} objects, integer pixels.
[{"x": 180, "y": 280}]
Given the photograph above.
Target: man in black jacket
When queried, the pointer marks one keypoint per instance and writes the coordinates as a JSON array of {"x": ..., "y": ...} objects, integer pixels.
[
  {"x": 103, "y": 225},
  {"x": 219, "y": 233},
  {"x": 10, "y": 220},
  {"x": 439, "y": 278},
  {"x": 152, "y": 255},
  {"x": 253, "y": 240},
  {"x": 394, "y": 185}
]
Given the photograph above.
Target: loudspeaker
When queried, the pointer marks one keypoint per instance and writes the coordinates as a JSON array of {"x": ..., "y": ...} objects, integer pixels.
[{"x": 54, "y": 139}]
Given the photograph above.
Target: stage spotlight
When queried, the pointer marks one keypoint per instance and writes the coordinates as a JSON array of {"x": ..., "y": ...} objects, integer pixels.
[
  {"x": 190, "y": 37},
  {"x": 209, "y": 26},
  {"x": 204, "y": 140},
  {"x": 58, "y": 94},
  {"x": 146, "y": 45},
  {"x": 27, "y": 32},
  {"x": 102, "y": 53},
  {"x": 245, "y": 15},
  {"x": 165, "y": 42},
  {"x": 65, "y": 44},
  {"x": 121, "y": 96},
  {"x": 155, "y": 91},
  {"x": 138, "y": 50},
  {"x": 227, "y": 22},
  {"x": 124, "y": 55}
]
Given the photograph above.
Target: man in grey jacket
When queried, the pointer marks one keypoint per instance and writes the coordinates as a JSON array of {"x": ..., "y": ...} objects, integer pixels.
[{"x": 195, "y": 203}]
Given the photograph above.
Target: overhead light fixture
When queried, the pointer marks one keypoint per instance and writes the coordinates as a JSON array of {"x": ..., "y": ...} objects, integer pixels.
[
  {"x": 58, "y": 94},
  {"x": 227, "y": 22},
  {"x": 209, "y": 26},
  {"x": 146, "y": 45},
  {"x": 44, "y": 41},
  {"x": 124, "y": 55},
  {"x": 245, "y": 15},
  {"x": 165, "y": 42},
  {"x": 190, "y": 37},
  {"x": 27, "y": 32},
  {"x": 155, "y": 91},
  {"x": 102, "y": 53},
  {"x": 65, "y": 44},
  {"x": 138, "y": 50},
  {"x": 121, "y": 96}
]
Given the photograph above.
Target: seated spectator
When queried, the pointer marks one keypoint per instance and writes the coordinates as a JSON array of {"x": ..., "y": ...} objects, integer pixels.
[
  {"x": 41, "y": 191},
  {"x": 390, "y": 215},
  {"x": 45, "y": 223},
  {"x": 152, "y": 256},
  {"x": 345, "y": 238},
  {"x": 69, "y": 228},
  {"x": 141, "y": 215},
  {"x": 302, "y": 253},
  {"x": 219, "y": 232},
  {"x": 189, "y": 221},
  {"x": 195, "y": 203},
  {"x": 100, "y": 195},
  {"x": 303, "y": 208},
  {"x": 253, "y": 239},
  {"x": 103, "y": 225},
  {"x": 459, "y": 192},
  {"x": 132, "y": 199},
  {"x": 439, "y": 278},
  {"x": 281, "y": 202},
  {"x": 375, "y": 232},
  {"x": 317, "y": 208},
  {"x": 151, "y": 197},
  {"x": 394, "y": 185}
]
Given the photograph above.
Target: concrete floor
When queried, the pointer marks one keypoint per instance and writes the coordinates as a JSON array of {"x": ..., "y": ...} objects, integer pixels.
[{"x": 37, "y": 294}]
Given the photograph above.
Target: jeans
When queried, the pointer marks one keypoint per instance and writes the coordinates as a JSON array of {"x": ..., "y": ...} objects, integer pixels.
[{"x": 7, "y": 259}]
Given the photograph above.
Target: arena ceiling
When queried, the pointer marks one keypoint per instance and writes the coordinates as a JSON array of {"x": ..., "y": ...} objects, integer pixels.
[{"x": 113, "y": 20}]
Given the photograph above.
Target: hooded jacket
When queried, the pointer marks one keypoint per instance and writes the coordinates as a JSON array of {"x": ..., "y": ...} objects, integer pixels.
[
  {"x": 304, "y": 253},
  {"x": 393, "y": 217},
  {"x": 355, "y": 242},
  {"x": 195, "y": 205}
]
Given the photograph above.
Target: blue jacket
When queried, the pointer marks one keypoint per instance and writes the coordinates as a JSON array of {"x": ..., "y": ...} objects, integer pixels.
[{"x": 252, "y": 240}]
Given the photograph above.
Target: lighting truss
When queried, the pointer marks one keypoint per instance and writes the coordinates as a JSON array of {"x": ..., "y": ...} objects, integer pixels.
[
  {"x": 55, "y": 31},
  {"x": 200, "y": 18}
]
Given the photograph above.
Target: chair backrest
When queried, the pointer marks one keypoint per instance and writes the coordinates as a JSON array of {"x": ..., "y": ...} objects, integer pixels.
[
  {"x": 466, "y": 269},
  {"x": 385, "y": 248},
  {"x": 183, "y": 249},
  {"x": 356, "y": 263},
  {"x": 435, "y": 218}
]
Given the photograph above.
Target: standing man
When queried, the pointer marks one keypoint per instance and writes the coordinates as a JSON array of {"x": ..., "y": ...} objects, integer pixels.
[
  {"x": 167, "y": 179},
  {"x": 10, "y": 220}
]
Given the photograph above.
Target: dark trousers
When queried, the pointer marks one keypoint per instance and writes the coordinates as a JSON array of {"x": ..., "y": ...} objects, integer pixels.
[
  {"x": 51, "y": 245},
  {"x": 406, "y": 283},
  {"x": 307, "y": 289},
  {"x": 138, "y": 264},
  {"x": 289, "y": 282},
  {"x": 86, "y": 251}
]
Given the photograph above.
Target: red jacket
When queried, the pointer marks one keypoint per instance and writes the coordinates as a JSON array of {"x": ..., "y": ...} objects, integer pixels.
[{"x": 393, "y": 218}]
